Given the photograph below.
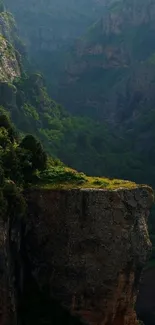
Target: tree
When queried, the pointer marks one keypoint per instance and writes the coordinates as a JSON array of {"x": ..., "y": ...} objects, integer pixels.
[
  {"x": 38, "y": 155},
  {"x": 4, "y": 138},
  {"x": 6, "y": 123}
]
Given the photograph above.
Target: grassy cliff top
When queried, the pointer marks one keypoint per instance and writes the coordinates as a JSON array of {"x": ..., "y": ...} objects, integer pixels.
[{"x": 62, "y": 177}]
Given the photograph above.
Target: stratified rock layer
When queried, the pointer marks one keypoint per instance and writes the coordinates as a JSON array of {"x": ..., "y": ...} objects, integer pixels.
[{"x": 88, "y": 247}]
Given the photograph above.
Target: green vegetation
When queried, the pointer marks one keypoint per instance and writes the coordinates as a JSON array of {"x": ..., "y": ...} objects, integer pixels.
[
  {"x": 62, "y": 177},
  {"x": 19, "y": 162},
  {"x": 84, "y": 144},
  {"x": 24, "y": 163},
  {"x": 87, "y": 145}
]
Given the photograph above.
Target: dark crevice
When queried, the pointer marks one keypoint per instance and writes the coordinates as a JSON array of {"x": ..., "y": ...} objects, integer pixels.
[{"x": 36, "y": 306}]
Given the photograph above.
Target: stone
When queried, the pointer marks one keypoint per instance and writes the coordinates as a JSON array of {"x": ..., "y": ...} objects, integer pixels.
[{"x": 91, "y": 251}]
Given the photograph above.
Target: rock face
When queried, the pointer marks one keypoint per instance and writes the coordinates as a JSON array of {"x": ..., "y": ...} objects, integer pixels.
[
  {"x": 83, "y": 249},
  {"x": 10, "y": 66},
  {"x": 10, "y": 268},
  {"x": 111, "y": 64},
  {"x": 146, "y": 299},
  {"x": 47, "y": 25},
  {"x": 88, "y": 248}
]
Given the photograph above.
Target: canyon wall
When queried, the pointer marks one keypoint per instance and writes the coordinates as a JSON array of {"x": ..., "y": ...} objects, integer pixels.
[
  {"x": 82, "y": 251},
  {"x": 88, "y": 249}
]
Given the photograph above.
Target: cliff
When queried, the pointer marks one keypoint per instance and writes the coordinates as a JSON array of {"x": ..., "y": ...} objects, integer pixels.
[
  {"x": 48, "y": 25},
  {"x": 85, "y": 251},
  {"x": 10, "y": 65},
  {"x": 111, "y": 66}
]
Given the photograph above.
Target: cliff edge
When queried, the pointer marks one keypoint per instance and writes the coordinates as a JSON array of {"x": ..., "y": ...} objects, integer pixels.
[{"x": 88, "y": 248}]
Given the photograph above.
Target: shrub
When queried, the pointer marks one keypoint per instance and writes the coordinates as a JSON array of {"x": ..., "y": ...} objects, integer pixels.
[
  {"x": 61, "y": 175},
  {"x": 39, "y": 156}
]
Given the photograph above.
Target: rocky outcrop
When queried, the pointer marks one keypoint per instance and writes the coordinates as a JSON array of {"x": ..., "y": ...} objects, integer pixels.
[
  {"x": 88, "y": 248},
  {"x": 10, "y": 65},
  {"x": 82, "y": 251}
]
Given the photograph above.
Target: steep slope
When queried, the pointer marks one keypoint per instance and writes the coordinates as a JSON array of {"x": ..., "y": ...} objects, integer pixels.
[
  {"x": 112, "y": 65},
  {"x": 49, "y": 27},
  {"x": 88, "y": 146},
  {"x": 50, "y": 23},
  {"x": 9, "y": 57},
  {"x": 92, "y": 147}
]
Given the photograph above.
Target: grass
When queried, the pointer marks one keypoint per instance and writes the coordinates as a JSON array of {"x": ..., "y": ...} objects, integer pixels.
[{"x": 62, "y": 177}]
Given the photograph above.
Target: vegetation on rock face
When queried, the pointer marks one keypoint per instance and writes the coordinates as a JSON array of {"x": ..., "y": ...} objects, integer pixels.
[
  {"x": 23, "y": 162},
  {"x": 89, "y": 146},
  {"x": 123, "y": 150}
]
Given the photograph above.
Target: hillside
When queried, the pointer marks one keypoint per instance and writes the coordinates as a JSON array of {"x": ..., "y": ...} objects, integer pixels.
[
  {"x": 109, "y": 75},
  {"x": 89, "y": 146}
]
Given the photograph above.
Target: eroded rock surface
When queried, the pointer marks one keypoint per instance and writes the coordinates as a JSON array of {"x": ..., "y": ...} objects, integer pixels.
[
  {"x": 10, "y": 271},
  {"x": 88, "y": 248}
]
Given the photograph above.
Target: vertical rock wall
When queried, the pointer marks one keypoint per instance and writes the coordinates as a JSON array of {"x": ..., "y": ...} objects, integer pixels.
[{"x": 88, "y": 248}]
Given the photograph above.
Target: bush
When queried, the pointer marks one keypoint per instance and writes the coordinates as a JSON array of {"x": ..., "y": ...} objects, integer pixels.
[
  {"x": 5, "y": 123},
  {"x": 61, "y": 175}
]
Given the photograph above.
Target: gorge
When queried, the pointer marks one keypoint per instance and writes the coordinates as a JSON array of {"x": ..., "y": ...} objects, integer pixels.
[{"x": 73, "y": 248}]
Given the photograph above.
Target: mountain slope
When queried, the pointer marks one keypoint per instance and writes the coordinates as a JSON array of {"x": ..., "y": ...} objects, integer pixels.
[
  {"x": 93, "y": 147},
  {"x": 123, "y": 150},
  {"x": 49, "y": 24},
  {"x": 112, "y": 65},
  {"x": 49, "y": 27},
  {"x": 10, "y": 63}
]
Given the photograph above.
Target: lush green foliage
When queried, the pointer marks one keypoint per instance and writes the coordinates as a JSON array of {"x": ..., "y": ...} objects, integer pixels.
[
  {"x": 38, "y": 155},
  {"x": 19, "y": 162},
  {"x": 85, "y": 144}
]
